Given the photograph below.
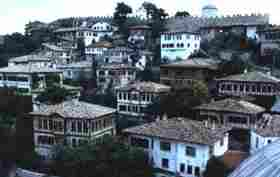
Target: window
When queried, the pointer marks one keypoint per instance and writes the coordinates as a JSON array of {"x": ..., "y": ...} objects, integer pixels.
[
  {"x": 190, "y": 151},
  {"x": 257, "y": 142},
  {"x": 50, "y": 124},
  {"x": 165, "y": 146},
  {"x": 40, "y": 123},
  {"x": 74, "y": 142},
  {"x": 45, "y": 124},
  {"x": 268, "y": 141},
  {"x": 165, "y": 163},
  {"x": 60, "y": 126},
  {"x": 182, "y": 168},
  {"x": 122, "y": 108},
  {"x": 222, "y": 142},
  {"x": 73, "y": 126},
  {"x": 139, "y": 142},
  {"x": 79, "y": 127},
  {"x": 189, "y": 170},
  {"x": 85, "y": 127},
  {"x": 197, "y": 171}
]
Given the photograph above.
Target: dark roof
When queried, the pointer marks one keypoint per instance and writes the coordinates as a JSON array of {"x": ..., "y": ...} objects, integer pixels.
[
  {"x": 231, "y": 105},
  {"x": 194, "y": 24},
  {"x": 144, "y": 87},
  {"x": 254, "y": 76},
  {"x": 182, "y": 130},
  {"x": 204, "y": 63},
  {"x": 142, "y": 27},
  {"x": 74, "y": 109},
  {"x": 117, "y": 66},
  {"x": 100, "y": 44}
]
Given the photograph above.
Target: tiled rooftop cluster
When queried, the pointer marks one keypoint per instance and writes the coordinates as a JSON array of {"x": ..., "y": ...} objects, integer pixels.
[
  {"x": 193, "y": 24},
  {"x": 254, "y": 76},
  {"x": 28, "y": 69},
  {"x": 74, "y": 109},
  {"x": 231, "y": 105},
  {"x": 206, "y": 63},
  {"x": 145, "y": 87},
  {"x": 180, "y": 129}
]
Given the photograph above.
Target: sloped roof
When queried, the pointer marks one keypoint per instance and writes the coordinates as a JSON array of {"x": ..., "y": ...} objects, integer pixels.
[
  {"x": 117, "y": 66},
  {"x": 74, "y": 109},
  {"x": 29, "y": 58},
  {"x": 204, "y": 63},
  {"x": 264, "y": 163},
  {"x": 76, "y": 65},
  {"x": 53, "y": 47},
  {"x": 194, "y": 24},
  {"x": 144, "y": 87},
  {"x": 231, "y": 105},
  {"x": 254, "y": 76},
  {"x": 28, "y": 69},
  {"x": 100, "y": 44},
  {"x": 182, "y": 130}
]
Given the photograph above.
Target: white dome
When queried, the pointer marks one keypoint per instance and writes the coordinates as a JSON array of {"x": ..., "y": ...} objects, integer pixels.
[
  {"x": 265, "y": 163},
  {"x": 210, "y": 6}
]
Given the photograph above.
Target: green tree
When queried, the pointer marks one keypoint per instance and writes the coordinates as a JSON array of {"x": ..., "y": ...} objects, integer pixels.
[
  {"x": 54, "y": 95},
  {"x": 182, "y": 14},
  {"x": 81, "y": 48},
  {"x": 120, "y": 17},
  {"x": 182, "y": 100},
  {"x": 110, "y": 157},
  {"x": 235, "y": 66},
  {"x": 215, "y": 167}
]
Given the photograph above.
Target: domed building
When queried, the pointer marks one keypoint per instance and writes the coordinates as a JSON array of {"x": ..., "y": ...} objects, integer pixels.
[
  {"x": 210, "y": 11},
  {"x": 264, "y": 163}
]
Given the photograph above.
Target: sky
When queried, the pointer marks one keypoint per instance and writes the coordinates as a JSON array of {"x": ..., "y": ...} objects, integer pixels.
[{"x": 14, "y": 14}]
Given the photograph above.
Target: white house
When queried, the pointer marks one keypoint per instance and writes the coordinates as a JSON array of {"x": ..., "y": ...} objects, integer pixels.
[
  {"x": 179, "y": 45},
  {"x": 29, "y": 77},
  {"x": 97, "y": 50},
  {"x": 71, "y": 123},
  {"x": 179, "y": 146},
  {"x": 37, "y": 60},
  {"x": 134, "y": 98},
  {"x": 117, "y": 55},
  {"x": 76, "y": 70},
  {"x": 115, "y": 74},
  {"x": 59, "y": 54},
  {"x": 95, "y": 32}
]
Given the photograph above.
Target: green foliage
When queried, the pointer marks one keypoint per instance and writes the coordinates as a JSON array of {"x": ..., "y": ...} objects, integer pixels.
[
  {"x": 52, "y": 79},
  {"x": 182, "y": 101},
  {"x": 120, "y": 17},
  {"x": 54, "y": 95},
  {"x": 215, "y": 167},
  {"x": 156, "y": 17},
  {"x": 182, "y": 14},
  {"x": 81, "y": 48},
  {"x": 107, "y": 158},
  {"x": 235, "y": 66}
]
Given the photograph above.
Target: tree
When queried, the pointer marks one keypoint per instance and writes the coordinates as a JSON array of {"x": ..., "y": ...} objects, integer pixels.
[
  {"x": 182, "y": 101},
  {"x": 120, "y": 17},
  {"x": 235, "y": 66},
  {"x": 215, "y": 167},
  {"x": 94, "y": 70},
  {"x": 54, "y": 95},
  {"x": 110, "y": 157},
  {"x": 81, "y": 48},
  {"x": 182, "y": 14},
  {"x": 156, "y": 18}
]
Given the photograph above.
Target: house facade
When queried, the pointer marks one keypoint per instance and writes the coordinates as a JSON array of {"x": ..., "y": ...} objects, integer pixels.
[
  {"x": 71, "y": 123},
  {"x": 140, "y": 35},
  {"x": 117, "y": 55},
  {"x": 77, "y": 70},
  {"x": 29, "y": 77},
  {"x": 230, "y": 112},
  {"x": 134, "y": 98},
  {"x": 36, "y": 60},
  {"x": 97, "y": 50},
  {"x": 182, "y": 74},
  {"x": 179, "y": 45},
  {"x": 248, "y": 84},
  {"x": 59, "y": 54},
  {"x": 115, "y": 74},
  {"x": 179, "y": 146}
]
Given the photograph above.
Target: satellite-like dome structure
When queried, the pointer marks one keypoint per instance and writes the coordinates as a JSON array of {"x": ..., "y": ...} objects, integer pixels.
[
  {"x": 265, "y": 163},
  {"x": 210, "y": 11}
]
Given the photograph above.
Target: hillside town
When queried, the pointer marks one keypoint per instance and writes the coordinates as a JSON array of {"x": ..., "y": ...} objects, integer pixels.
[{"x": 131, "y": 96}]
